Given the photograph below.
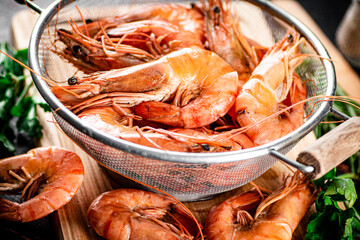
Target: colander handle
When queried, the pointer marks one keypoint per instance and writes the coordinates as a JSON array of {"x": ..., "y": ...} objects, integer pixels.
[
  {"x": 329, "y": 150},
  {"x": 31, "y": 5}
]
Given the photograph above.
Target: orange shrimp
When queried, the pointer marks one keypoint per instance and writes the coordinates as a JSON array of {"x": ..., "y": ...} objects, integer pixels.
[
  {"x": 48, "y": 177},
  {"x": 119, "y": 124},
  {"x": 225, "y": 38},
  {"x": 264, "y": 93},
  {"x": 165, "y": 35},
  {"x": 190, "y": 88},
  {"x": 133, "y": 38},
  {"x": 276, "y": 217},
  {"x": 90, "y": 55},
  {"x": 189, "y": 18},
  {"x": 137, "y": 214}
]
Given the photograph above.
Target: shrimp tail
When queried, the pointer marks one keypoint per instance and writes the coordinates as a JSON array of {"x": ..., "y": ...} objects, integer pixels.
[{"x": 9, "y": 210}]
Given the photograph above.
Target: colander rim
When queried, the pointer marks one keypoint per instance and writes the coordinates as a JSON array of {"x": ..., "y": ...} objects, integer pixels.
[{"x": 184, "y": 157}]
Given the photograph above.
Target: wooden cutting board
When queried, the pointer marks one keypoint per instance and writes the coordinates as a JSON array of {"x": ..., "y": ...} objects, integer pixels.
[{"x": 71, "y": 221}]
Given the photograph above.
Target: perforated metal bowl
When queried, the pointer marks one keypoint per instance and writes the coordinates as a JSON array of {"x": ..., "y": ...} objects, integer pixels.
[{"x": 187, "y": 176}]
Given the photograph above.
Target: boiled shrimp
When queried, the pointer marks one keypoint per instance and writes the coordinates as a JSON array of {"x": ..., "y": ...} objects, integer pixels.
[
  {"x": 190, "y": 88},
  {"x": 264, "y": 93},
  {"x": 165, "y": 35},
  {"x": 120, "y": 124},
  {"x": 133, "y": 38},
  {"x": 225, "y": 38},
  {"x": 91, "y": 55},
  {"x": 48, "y": 177},
  {"x": 137, "y": 214},
  {"x": 276, "y": 217},
  {"x": 189, "y": 18}
]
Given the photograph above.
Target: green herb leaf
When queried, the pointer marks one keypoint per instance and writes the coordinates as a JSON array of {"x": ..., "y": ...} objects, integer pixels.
[
  {"x": 18, "y": 111},
  {"x": 342, "y": 190},
  {"x": 348, "y": 231},
  {"x": 7, "y": 143},
  {"x": 324, "y": 225},
  {"x": 321, "y": 182},
  {"x": 322, "y": 201}
]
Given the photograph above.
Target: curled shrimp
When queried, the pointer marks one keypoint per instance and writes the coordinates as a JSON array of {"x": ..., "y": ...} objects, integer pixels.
[
  {"x": 265, "y": 93},
  {"x": 137, "y": 214},
  {"x": 120, "y": 124},
  {"x": 133, "y": 38},
  {"x": 225, "y": 38},
  {"x": 276, "y": 217},
  {"x": 48, "y": 177},
  {"x": 190, "y": 88}
]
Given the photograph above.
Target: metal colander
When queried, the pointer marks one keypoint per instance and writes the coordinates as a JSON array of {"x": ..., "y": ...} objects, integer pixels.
[{"x": 187, "y": 176}]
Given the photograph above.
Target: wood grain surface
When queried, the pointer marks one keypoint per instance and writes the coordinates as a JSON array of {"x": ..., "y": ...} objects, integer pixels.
[
  {"x": 71, "y": 219},
  {"x": 332, "y": 148}
]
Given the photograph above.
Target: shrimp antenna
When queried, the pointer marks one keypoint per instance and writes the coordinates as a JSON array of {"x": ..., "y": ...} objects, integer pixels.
[
  {"x": 84, "y": 22},
  {"x": 42, "y": 77},
  {"x": 27, "y": 6},
  {"x": 279, "y": 194}
]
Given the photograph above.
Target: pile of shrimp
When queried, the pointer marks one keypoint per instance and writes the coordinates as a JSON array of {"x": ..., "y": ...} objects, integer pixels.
[
  {"x": 182, "y": 78},
  {"x": 255, "y": 214}
]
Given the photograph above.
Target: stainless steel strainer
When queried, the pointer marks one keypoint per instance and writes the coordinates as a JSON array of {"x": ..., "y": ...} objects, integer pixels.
[{"x": 187, "y": 176}]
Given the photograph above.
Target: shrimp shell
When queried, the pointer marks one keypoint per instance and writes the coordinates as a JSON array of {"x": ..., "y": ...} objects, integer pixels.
[
  {"x": 276, "y": 217},
  {"x": 201, "y": 86},
  {"x": 110, "y": 121},
  {"x": 264, "y": 94},
  {"x": 225, "y": 38},
  {"x": 137, "y": 214},
  {"x": 54, "y": 174},
  {"x": 133, "y": 38}
]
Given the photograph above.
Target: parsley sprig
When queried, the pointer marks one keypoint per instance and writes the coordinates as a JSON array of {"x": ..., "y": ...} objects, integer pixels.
[
  {"x": 18, "y": 113},
  {"x": 336, "y": 216}
]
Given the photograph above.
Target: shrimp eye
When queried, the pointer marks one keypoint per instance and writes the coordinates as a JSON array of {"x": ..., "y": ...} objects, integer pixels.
[
  {"x": 72, "y": 80},
  {"x": 205, "y": 146},
  {"x": 76, "y": 49},
  {"x": 88, "y": 21},
  {"x": 193, "y": 5},
  {"x": 216, "y": 9},
  {"x": 290, "y": 38}
]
